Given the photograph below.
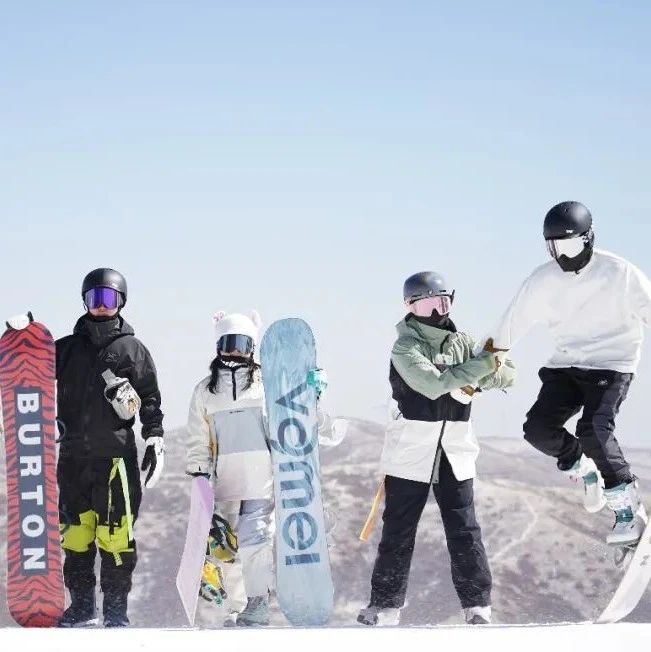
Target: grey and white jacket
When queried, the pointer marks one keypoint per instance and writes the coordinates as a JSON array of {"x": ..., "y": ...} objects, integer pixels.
[{"x": 227, "y": 436}]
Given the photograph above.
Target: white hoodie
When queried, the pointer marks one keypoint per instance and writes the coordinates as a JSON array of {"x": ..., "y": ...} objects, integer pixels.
[{"x": 595, "y": 317}]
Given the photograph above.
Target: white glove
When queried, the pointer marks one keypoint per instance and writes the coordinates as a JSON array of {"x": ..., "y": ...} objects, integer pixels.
[{"x": 153, "y": 460}]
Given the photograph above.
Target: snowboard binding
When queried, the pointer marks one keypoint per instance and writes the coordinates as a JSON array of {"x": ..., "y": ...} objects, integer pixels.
[{"x": 622, "y": 555}]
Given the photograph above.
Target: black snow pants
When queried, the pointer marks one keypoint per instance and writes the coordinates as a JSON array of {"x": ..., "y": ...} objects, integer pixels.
[
  {"x": 404, "y": 504},
  {"x": 562, "y": 395},
  {"x": 98, "y": 505}
]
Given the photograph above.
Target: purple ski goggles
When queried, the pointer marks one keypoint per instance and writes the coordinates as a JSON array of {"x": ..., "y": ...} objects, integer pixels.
[{"x": 107, "y": 297}]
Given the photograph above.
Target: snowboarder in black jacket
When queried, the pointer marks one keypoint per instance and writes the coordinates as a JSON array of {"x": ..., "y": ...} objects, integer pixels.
[{"x": 104, "y": 376}]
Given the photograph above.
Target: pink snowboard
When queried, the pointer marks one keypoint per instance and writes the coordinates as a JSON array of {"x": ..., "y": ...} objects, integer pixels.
[{"x": 188, "y": 579}]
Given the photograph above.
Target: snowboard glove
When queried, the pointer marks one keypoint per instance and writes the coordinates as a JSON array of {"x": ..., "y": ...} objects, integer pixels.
[
  {"x": 153, "y": 460},
  {"x": 222, "y": 541},
  {"x": 318, "y": 379}
]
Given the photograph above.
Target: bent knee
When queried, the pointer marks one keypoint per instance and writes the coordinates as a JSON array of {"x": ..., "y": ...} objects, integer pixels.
[{"x": 534, "y": 427}]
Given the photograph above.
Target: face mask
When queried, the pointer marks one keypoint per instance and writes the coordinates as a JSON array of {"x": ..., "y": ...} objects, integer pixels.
[
  {"x": 572, "y": 254},
  {"x": 434, "y": 319},
  {"x": 234, "y": 361}
]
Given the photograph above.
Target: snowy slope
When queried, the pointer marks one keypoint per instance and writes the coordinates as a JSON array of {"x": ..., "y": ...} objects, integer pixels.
[{"x": 548, "y": 560}]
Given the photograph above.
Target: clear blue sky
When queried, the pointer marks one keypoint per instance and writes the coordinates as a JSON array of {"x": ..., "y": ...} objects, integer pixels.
[{"x": 304, "y": 157}]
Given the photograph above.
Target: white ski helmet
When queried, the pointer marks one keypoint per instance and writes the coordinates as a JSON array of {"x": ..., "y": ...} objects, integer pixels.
[{"x": 228, "y": 326}]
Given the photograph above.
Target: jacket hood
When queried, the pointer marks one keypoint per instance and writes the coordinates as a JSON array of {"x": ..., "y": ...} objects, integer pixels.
[{"x": 102, "y": 333}]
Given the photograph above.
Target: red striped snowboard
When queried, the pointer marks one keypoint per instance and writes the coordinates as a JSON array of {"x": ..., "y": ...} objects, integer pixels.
[{"x": 35, "y": 593}]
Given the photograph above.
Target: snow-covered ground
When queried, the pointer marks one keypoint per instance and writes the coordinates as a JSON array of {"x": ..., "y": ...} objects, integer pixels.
[
  {"x": 486, "y": 639},
  {"x": 548, "y": 558}
]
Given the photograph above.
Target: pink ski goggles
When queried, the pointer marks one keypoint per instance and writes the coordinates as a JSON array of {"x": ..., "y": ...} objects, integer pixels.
[{"x": 442, "y": 303}]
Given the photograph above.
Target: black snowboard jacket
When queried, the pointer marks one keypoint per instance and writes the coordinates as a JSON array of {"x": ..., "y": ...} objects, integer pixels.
[{"x": 90, "y": 426}]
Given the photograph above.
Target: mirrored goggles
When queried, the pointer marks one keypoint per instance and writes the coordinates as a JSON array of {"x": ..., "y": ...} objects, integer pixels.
[
  {"x": 570, "y": 247},
  {"x": 442, "y": 303},
  {"x": 107, "y": 297},
  {"x": 230, "y": 343}
]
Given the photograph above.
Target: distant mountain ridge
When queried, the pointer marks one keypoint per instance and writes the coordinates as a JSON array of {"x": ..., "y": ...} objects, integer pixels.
[{"x": 547, "y": 554}]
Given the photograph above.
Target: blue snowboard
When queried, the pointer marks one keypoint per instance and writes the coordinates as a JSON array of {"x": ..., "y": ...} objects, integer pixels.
[{"x": 303, "y": 581}]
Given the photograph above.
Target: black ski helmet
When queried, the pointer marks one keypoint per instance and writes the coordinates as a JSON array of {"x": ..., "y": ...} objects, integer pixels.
[
  {"x": 565, "y": 221},
  {"x": 425, "y": 284},
  {"x": 569, "y": 219},
  {"x": 105, "y": 277}
]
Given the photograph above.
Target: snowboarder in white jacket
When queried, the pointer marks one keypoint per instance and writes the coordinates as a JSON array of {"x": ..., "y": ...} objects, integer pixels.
[
  {"x": 595, "y": 305},
  {"x": 228, "y": 441}
]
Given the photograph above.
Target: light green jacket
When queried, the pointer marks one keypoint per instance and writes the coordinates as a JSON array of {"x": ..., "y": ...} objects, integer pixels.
[{"x": 434, "y": 362}]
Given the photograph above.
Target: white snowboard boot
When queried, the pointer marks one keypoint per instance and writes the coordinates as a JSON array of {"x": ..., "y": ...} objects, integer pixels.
[
  {"x": 231, "y": 619},
  {"x": 593, "y": 484},
  {"x": 382, "y": 617},
  {"x": 630, "y": 515},
  {"x": 478, "y": 615}
]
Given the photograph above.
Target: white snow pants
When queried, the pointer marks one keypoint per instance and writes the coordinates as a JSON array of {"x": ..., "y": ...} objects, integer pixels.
[{"x": 251, "y": 520}]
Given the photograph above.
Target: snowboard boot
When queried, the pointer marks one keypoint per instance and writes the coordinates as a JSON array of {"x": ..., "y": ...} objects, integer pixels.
[
  {"x": 256, "y": 612},
  {"x": 478, "y": 615},
  {"x": 379, "y": 616},
  {"x": 231, "y": 619},
  {"x": 82, "y": 611},
  {"x": 630, "y": 515},
  {"x": 115, "y": 609},
  {"x": 593, "y": 485}
]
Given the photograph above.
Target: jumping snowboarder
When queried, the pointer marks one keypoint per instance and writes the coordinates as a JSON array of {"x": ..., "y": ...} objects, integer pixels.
[
  {"x": 595, "y": 304},
  {"x": 433, "y": 375},
  {"x": 105, "y": 376}
]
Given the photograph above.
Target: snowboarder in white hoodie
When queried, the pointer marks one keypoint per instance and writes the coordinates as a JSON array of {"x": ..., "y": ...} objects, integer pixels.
[
  {"x": 595, "y": 305},
  {"x": 228, "y": 441}
]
